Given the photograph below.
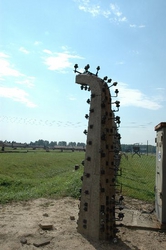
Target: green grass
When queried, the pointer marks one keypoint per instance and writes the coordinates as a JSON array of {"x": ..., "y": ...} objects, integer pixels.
[
  {"x": 35, "y": 174},
  {"x": 138, "y": 177},
  {"x": 39, "y": 174}
]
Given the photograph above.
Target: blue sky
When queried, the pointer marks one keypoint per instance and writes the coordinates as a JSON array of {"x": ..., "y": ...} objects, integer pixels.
[{"x": 40, "y": 41}]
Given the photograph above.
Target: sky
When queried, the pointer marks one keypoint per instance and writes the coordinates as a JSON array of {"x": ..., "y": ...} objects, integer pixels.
[{"x": 41, "y": 41}]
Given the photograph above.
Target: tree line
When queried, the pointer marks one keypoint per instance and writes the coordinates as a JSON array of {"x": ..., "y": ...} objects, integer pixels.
[{"x": 46, "y": 143}]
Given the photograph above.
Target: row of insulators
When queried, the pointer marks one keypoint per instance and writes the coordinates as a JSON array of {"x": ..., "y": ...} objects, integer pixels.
[{"x": 110, "y": 115}]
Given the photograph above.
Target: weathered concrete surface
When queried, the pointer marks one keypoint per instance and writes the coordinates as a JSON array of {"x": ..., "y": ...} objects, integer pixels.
[{"x": 139, "y": 219}]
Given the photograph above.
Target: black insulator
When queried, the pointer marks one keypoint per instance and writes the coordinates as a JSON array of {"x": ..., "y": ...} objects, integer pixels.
[
  {"x": 103, "y": 105},
  {"x": 121, "y": 215},
  {"x": 81, "y": 178},
  {"x": 87, "y": 175},
  {"x": 85, "y": 132},
  {"x": 109, "y": 80},
  {"x": 98, "y": 68},
  {"x": 92, "y": 95},
  {"x": 88, "y": 101},
  {"x": 117, "y": 104},
  {"x": 87, "y": 67},
  {"x": 88, "y": 158},
  {"x": 88, "y": 88},
  {"x": 85, "y": 208},
  {"x": 86, "y": 116},
  {"x": 121, "y": 198},
  {"x": 85, "y": 204},
  {"x": 102, "y": 190},
  {"x": 82, "y": 163},
  {"x": 102, "y": 208},
  {"x": 91, "y": 110},
  {"x": 86, "y": 192},
  {"x": 103, "y": 136},
  {"x": 103, "y": 119},
  {"x": 102, "y": 171},
  {"x": 120, "y": 208},
  {"x": 85, "y": 87},
  {"x": 82, "y": 87},
  {"x": 102, "y": 153},
  {"x": 84, "y": 221},
  {"x": 76, "y": 66},
  {"x": 89, "y": 142},
  {"x": 80, "y": 190},
  {"x": 105, "y": 78},
  {"x": 113, "y": 179},
  {"x": 91, "y": 126}
]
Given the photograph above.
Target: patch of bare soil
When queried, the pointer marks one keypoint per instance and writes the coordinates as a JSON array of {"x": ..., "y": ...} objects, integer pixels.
[{"x": 22, "y": 227}]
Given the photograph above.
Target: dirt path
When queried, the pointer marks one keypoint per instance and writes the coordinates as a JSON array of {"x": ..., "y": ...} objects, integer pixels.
[{"x": 19, "y": 222}]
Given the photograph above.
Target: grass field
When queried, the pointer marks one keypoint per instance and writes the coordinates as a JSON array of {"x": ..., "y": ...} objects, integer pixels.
[
  {"x": 138, "y": 177},
  {"x": 37, "y": 174}
]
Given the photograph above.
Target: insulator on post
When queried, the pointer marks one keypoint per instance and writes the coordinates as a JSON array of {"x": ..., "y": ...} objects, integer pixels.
[
  {"x": 105, "y": 78},
  {"x": 88, "y": 101},
  {"x": 98, "y": 68},
  {"x": 114, "y": 84},
  {"x": 87, "y": 67},
  {"x": 121, "y": 198},
  {"x": 88, "y": 158},
  {"x": 87, "y": 175},
  {"x": 85, "y": 132}
]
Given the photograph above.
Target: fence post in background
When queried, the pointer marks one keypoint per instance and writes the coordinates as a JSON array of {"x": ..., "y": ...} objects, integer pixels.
[
  {"x": 160, "y": 183},
  {"x": 147, "y": 150}
]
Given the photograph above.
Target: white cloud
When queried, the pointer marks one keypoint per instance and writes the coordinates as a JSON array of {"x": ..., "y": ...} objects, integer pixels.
[
  {"x": 134, "y": 97},
  {"x": 28, "y": 81},
  {"x": 93, "y": 10},
  {"x": 17, "y": 95},
  {"x": 6, "y": 69},
  {"x": 137, "y": 26},
  {"x": 112, "y": 12},
  {"x": 60, "y": 61},
  {"x": 47, "y": 51},
  {"x": 141, "y": 26},
  {"x": 3, "y": 55},
  {"x": 23, "y": 50},
  {"x": 37, "y": 43},
  {"x": 72, "y": 98},
  {"x": 120, "y": 63}
]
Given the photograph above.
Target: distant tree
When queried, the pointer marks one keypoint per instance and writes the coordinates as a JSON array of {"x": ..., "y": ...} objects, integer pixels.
[
  {"x": 53, "y": 143},
  {"x": 72, "y": 144},
  {"x": 81, "y": 144},
  {"x": 62, "y": 143}
]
